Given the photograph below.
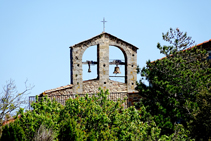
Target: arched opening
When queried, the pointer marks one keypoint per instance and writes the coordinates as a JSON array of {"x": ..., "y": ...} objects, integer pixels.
[
  {"x": 117, "y": 54},
  {"x": 90, "y": 54}
]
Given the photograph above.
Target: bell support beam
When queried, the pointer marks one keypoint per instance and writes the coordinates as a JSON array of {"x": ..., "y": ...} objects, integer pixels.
[
  {"x": 116, "y": 76},
  {"x": 110, "y": 63},
  {"x": 92, "y": 63}
]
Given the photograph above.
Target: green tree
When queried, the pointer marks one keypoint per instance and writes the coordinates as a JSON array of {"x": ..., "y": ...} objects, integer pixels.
[
  {"x": 98, "y": 118},
  {"x": 200, "y": 126},
  {"x": 11, "y": 100},
  {"x": 174, "y": 81},
  {"x": 13, "y": 132},
  {"x": 87, "y": 118},
  {"x": 45, "y": 113}
]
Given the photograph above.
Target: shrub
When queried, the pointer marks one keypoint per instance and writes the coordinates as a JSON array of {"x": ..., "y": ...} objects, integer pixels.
[{"x": 87, "y": 118}]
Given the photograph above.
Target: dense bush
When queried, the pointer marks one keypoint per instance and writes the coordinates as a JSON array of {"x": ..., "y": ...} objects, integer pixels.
[
  {"x": 44, "y": 112},
  {"x": 176, "y": 85},
  {"x": 99, "y": 118},
  {"x": 200, "y": 126},
  {"x": 13, "y": 132},
  {"x": 86, "y": 118}
]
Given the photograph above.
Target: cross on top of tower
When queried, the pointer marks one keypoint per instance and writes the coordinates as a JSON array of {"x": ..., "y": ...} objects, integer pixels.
[{"x": 104, "y": 24}]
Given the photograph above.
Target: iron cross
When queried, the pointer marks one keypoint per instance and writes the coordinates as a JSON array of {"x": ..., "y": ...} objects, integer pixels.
[{"x": 103, "y": 24}]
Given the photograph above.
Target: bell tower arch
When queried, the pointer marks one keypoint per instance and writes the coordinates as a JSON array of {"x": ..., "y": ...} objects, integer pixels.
[{"x": 103, "y": 41}]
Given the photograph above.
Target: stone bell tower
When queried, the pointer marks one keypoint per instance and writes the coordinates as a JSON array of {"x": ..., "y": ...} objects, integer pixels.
[{"x": 103, "y": 41}]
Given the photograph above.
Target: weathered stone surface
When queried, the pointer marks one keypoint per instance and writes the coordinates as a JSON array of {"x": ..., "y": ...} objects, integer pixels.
[
  {"x": 103, "y": 41},
  {"x": 89, "y": 86},
  {"x": 116, "y": 89},
  {"x": 92, "y": 86}
]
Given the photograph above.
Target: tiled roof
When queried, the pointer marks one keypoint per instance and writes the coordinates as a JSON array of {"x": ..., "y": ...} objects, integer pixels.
[
  {"x": 11, "y": 119},
  {"x": 69, "y": 87},
  {"x": 62, "y": 87},
  {"x": 57, "y": 89}
]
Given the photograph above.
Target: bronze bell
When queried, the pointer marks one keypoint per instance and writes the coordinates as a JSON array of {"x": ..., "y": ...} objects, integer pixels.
[{"x": 116, "y": 70}]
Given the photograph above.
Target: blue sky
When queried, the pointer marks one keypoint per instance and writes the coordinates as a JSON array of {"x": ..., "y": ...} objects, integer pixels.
[{"x": 35, "y": 35}]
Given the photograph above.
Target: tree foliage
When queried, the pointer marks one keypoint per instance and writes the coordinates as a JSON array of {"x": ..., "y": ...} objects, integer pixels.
[
  {"x": 177, "y": 40},
  {"x": 45, "y": 113},
  {"x": 174, "y": 81},
  {"x": 88, "y": 118},
  {"x": 101, "y": 119},
  {"x": 11, "y": 100},
  {"x": 200, "y": 126}
]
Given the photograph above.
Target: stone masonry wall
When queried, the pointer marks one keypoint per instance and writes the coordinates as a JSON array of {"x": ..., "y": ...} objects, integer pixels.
[
  {"x": 118, "y": 90},
  {"x": 103, "y": 41},
  {"x": 90, "y": 87}
]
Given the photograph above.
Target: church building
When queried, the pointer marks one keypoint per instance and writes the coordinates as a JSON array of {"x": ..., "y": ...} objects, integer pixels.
[{"x": 116, "y": 89}]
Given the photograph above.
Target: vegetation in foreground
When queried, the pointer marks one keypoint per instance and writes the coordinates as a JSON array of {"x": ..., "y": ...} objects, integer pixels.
[
  {"x": 179, "y": 90},
  {"x": 86, "y": 118},
  {"x": 11, "y": 100}
]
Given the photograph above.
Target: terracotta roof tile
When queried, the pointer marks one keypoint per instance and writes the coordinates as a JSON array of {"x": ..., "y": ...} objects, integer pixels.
[
  {"x": 69, "y": 87},
  {"x": 11, "y": 119},
  {"x": 57, "y": 89}
]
